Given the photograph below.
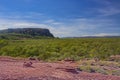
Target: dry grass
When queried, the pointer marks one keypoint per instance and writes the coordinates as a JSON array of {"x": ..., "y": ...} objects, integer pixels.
[
  {"x": 103, "y": 67},
  {"x": 115, "y": 58}
]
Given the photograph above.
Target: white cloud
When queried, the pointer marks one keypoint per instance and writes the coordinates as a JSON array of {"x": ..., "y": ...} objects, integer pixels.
[
  {"x": 95, "y": 26},
  {"x": 74, "y": 28},
  {"x": 109, "y": 11},
  {"x": 70, "y": 28},
  {"x": 108, "y": 7},
  {"x": 23, "y": 16},
  {"x": 51, "y": 21}
]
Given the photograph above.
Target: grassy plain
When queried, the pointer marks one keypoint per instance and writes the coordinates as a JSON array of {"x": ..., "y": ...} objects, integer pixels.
[{"x": 60, "y": 49}]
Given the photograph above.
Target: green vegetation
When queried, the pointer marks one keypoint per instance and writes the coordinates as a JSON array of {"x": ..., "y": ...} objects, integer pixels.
[
  {"x": 3, "y": 43},
  {"x": 16, "y": 36},
  {"x": 60, "y": 49}
]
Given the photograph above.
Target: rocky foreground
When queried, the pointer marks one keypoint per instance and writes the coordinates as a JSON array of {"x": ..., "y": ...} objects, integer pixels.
[{"x": 13, "y": 69}]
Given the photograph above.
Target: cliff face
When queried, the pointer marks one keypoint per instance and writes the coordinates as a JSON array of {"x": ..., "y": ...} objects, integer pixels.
[
  {"x": 25, "y": 33},
  {"x": 29, "y": 31}
]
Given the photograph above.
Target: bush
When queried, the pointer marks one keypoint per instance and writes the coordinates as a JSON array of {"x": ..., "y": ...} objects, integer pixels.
[
  {"x": 57, "y": 49},
  {"x": 3, "y": 43}
]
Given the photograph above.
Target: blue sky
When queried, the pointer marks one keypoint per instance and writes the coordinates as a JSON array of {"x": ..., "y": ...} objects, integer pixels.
[{"x": 64, "y": 18}]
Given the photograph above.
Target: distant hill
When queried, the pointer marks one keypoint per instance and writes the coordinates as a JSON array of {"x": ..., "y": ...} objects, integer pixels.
[
  {"x": 102, "y": 36},
  {"x": 95, "y": 37},
  {"x": 20, "y": 33}
]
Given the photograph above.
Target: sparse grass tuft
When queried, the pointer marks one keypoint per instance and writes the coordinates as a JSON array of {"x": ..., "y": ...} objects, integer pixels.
[
  {"x": 115, "y": 58},
  {"x": 103, "y": 67}
]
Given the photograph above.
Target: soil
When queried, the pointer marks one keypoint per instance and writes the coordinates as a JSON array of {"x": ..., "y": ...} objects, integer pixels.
[{"x": 13, "y": 69}]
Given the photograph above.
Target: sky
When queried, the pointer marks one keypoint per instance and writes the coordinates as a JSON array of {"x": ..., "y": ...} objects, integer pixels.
[{"x": 64, "y": 18}]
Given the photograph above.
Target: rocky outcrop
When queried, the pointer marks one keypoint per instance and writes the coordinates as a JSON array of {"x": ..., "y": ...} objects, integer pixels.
[{"x": 29, "y": 31}]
